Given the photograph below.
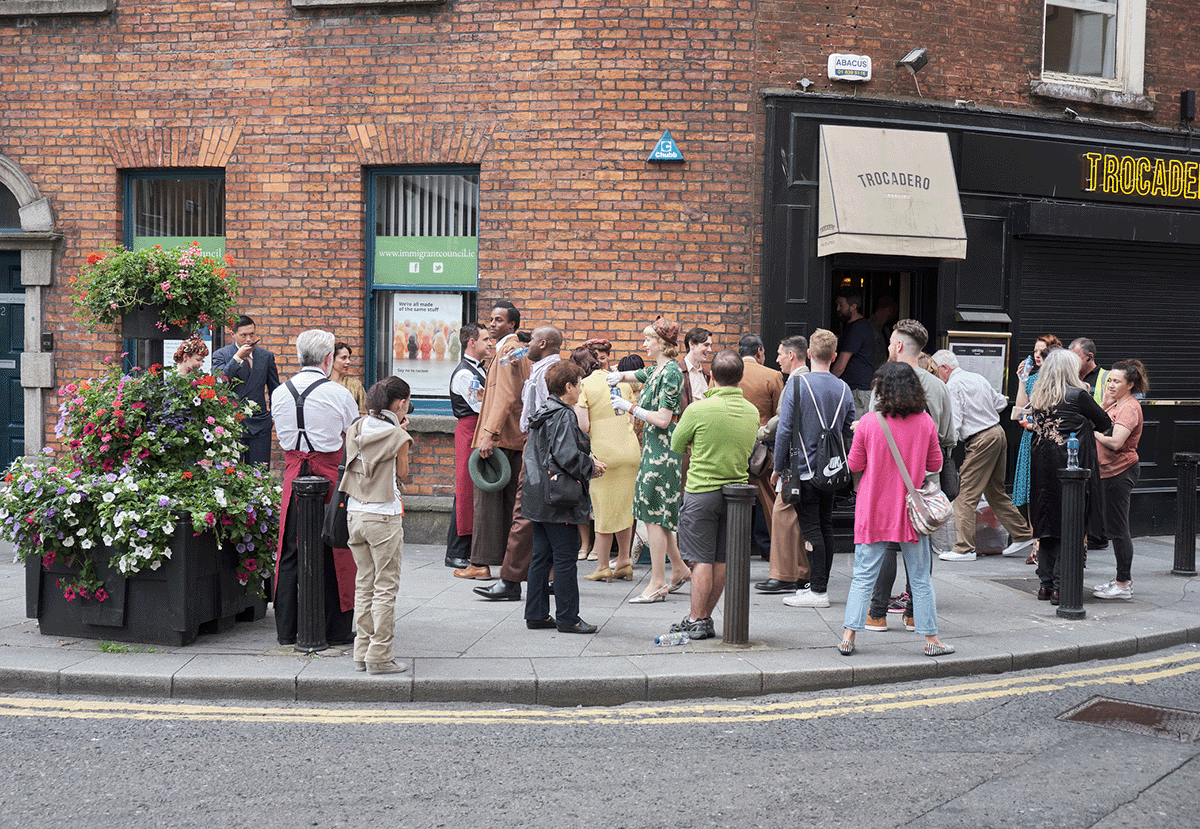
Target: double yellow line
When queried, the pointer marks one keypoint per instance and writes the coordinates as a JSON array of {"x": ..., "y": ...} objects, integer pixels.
[{"x": 1140, "y": 672}]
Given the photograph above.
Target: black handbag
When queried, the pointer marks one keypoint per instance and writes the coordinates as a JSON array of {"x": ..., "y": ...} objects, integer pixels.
[
  {"x": 949, "y": 475},
  {"x": 561, "y": 489},
  {"x": 335, "y": 530}
]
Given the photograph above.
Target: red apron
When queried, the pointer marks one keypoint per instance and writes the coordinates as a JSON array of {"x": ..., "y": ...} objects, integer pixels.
[
  {"x": 464, "y": 489},
  {"x": 324, "y": 464}
]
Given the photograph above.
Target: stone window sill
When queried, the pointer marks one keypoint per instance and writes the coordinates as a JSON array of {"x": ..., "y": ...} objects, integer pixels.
[
  {"x": 1116, "y": 99},
  {"x": 47, "y": 8},
  {"x": 322, "y": 4}
]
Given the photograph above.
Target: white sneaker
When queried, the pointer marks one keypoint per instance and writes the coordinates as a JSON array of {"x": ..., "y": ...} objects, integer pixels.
[
  {"x": 807, "y": 598},
  {"x": 1114, "y": 591},
  {"x": 953, "y": 556},
  {"x": 1106, "y": 585},
  {"x": 1017, "y": 548}
]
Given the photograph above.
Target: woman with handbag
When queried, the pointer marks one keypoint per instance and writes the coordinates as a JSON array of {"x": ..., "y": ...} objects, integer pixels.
[
  {"x": 554, "y": 497},
  {"x": 881, "y": 511},
  {"x": 1061, "y": 406},
  {"x": 377, "y": 448}
]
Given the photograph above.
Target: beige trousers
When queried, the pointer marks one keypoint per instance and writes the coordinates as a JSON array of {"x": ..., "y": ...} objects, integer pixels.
[
  {"x": 377, "y": 542},
  {"x": 982, "y": 473},
  {"x": 789, "y": 561}
]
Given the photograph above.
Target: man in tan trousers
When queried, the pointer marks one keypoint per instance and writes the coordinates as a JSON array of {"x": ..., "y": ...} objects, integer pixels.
[
  {"x": 789, "y": 560},
  {"x": 763, "y": 388}
]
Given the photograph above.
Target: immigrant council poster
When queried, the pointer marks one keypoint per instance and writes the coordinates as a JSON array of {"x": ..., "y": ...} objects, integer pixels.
[{"x": 425, "y": 347}]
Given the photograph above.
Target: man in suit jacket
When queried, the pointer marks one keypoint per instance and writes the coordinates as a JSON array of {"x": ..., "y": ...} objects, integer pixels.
[
  {"x": 763, "y": 388},
  {"x": 252, "y": 375}
]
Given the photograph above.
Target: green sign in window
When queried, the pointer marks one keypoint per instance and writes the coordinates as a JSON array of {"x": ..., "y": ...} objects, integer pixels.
[
  {"x": 447, "y": 261},
  {"x": 213, "y": 246}
]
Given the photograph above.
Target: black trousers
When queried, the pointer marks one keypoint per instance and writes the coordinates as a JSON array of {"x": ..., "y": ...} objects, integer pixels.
[
  {"x": 457, "y": 546},
  {"x": 338, "y": 623}
]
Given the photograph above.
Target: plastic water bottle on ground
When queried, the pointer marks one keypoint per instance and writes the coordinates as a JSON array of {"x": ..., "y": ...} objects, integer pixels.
[
  {"x": 668, "y": 639},
  {"x": 1073, "y": 452}
]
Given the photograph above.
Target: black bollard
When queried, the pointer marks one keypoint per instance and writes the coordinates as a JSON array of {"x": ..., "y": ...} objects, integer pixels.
[
  {"x": 310, "y": 494},
  {"x": 1185, "y": 514},
  {"x": 739, "y": 500},
  {"x": 1070, "y": 562}
]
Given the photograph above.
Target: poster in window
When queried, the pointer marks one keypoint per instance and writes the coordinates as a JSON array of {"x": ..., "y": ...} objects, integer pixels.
[{"x": 424, "y": 343}]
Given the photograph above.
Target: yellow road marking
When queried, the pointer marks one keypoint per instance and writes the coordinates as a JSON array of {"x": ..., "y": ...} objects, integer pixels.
[{"x": 899, "y": 699}]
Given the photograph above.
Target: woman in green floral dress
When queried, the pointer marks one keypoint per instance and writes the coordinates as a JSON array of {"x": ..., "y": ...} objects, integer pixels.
[{"x": 659, "y": 481}]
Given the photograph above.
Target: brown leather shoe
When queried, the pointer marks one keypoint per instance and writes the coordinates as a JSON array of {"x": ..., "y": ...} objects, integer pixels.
[{"x": 473, "y": 572}]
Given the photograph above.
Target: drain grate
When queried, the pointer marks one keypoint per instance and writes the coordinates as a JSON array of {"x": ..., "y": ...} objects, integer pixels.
[{"x": 1136, "y": 718}]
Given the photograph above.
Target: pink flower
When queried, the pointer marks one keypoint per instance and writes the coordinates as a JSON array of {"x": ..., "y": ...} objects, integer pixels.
[
  {"x": 69, "y": 594},
  {"x": 83, "y": 594},
  {"x": 101, "y": 594},
  {"x": 210, "y": 420},
  {"x": 166, "y": 286},
  {"x": 210, "y": 519},
  {"x": 251, "y": 564}
]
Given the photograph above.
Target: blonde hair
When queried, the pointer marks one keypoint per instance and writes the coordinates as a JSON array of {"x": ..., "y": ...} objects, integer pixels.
[
  {"x": 668, "y": 350},
  {"x": 1060, "y": 371},
  {"x": 822, "y": 345}
]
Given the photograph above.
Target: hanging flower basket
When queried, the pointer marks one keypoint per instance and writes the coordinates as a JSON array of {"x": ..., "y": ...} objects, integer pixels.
[{"x": 190, "y": 290}]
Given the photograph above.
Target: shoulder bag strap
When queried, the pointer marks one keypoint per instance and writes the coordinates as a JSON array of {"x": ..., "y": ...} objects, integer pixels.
[{"x": 917, "y": 500}]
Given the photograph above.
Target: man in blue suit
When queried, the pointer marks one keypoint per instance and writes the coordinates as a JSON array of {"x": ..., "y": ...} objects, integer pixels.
[{"x": 252, "y": 375}]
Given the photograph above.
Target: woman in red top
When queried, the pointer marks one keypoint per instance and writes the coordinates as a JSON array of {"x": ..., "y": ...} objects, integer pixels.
[
  {"x": 880, "y": 514},
  {"x": 1117, "y": 451}
]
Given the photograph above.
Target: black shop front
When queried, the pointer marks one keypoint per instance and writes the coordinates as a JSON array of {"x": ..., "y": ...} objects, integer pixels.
[{"x": 1002, "y": 225}]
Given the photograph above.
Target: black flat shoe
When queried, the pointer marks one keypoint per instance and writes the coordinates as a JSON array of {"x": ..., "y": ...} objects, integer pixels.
[
  {"x": 579, "y": 627},
  {"x": 777, "y": 586},
  {"x": 458, "y": 563},
  {"x": 501, "y": 591},
  {"x": 1054, "y": 597},
  {"x": 541, "y": 624}
]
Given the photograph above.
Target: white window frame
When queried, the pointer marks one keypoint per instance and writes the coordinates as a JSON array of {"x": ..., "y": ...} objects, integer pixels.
[{"x": 1131, "y": 47}]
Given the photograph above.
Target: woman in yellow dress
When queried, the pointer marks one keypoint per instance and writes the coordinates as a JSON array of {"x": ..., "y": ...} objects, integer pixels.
[{"x": 613, "y": 442}]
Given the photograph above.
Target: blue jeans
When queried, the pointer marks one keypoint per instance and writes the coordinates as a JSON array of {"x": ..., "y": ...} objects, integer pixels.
[
  {"x": 868, "y": 558},
  {"x": 554, "y": 546}
]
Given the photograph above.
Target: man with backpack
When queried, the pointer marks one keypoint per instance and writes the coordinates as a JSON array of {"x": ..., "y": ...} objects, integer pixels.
[{"x": 815, "y": 420}]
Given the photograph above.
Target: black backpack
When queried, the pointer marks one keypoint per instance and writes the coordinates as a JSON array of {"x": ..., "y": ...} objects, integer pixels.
[{"x": 831, "y": 471}]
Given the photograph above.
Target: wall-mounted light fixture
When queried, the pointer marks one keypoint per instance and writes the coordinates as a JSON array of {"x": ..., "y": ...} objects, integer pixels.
[
  {"x": 1187, "y": 106},
  {"x": 914, "y": 62}
]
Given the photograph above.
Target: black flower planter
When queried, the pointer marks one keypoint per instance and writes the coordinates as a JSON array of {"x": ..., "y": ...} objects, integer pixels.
[
  {"x": 195, "y": 590},
  {"x": 141, "y": 323}
]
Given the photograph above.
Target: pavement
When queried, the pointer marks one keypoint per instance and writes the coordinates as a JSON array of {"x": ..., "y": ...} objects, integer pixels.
[{"x": 463, "y": 649}]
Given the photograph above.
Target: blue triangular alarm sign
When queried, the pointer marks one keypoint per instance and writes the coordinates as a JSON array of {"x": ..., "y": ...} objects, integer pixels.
[{"x": 666, "y": 149}]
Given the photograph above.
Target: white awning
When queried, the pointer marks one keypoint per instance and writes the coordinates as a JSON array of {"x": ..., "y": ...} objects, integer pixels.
[{"x": 890, "y": 192}]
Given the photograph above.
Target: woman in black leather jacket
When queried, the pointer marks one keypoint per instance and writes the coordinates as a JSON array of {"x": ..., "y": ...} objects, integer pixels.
[{"x": 557, "y": 447}]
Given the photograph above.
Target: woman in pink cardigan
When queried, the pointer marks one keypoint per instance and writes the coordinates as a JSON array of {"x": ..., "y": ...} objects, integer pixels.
[{"x": 880, "y": 516}]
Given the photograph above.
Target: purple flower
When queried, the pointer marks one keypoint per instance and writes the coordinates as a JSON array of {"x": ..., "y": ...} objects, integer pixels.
[
  {"x": 163, "y": 500},
  {"x": 62, "y": 490}
]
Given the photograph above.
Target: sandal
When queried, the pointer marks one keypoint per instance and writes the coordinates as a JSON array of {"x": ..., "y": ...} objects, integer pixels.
[
  {"x": 938, "y": 649},
  {"x": 593, "y": 556},
  {"x": 583, "y": 554},
  {"x": 846, "y": 647},
  {"x": 659, "y": 595}
]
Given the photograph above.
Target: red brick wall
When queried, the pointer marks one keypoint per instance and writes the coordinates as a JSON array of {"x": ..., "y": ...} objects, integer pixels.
[{"x": 558, "y": 102}]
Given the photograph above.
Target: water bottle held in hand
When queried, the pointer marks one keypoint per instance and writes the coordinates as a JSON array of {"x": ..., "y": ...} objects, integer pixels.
[
  {"x": 474, "y": 388},
  {"x": 1073, "y": 452},
  {"x": 668, "y": 639},
  {"x": 514, "y": 355}
]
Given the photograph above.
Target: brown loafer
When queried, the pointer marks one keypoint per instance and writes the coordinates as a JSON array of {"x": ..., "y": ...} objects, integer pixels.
[{"x": 473, "y": 572}]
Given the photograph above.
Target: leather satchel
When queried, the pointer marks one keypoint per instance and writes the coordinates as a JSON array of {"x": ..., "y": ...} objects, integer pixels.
[
  {"x": 335, "y": 530},
  {"x": 948, "y": 477},
  {"x": 760, "y": 459},
  {"x": 562, "y": 490}
]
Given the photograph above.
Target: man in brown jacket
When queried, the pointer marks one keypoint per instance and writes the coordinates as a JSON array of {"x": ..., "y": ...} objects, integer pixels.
[
  {"x": 763, "y": 387},
  {"x": 499, "y": 430}
]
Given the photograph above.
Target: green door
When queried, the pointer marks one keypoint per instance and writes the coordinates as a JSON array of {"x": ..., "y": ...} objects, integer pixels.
[{"x": 12, "y": 342}]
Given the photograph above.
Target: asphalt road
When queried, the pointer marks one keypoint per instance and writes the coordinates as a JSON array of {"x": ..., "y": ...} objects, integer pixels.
[{"x": 971, "y": 752}]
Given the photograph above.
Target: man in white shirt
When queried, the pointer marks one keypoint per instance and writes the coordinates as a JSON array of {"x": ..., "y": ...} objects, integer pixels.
[
  {"x": 976, "y": 412},
  {"x": 698, "y": 342},
  {"x": 312, "y": 414}
]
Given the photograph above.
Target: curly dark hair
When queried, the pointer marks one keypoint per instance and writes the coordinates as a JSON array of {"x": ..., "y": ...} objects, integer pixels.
[{"x": 898, "y": 391}]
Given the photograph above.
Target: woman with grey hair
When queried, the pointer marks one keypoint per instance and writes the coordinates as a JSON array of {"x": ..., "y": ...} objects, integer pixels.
[{"x": 1061, "y": 406}]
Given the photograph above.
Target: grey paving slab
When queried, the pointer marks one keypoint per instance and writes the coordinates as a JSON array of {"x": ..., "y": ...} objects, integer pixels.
[
  {"x": 35, "y": 670},
  {"x": 689, "y": 674},
  {"x": 610, "y": 680},
  {"x": 211, "y": 676},
  {"x": 123, "y": 674},
  {"x": 333, "y": 679},
  {"x": 474, "y": 680}
]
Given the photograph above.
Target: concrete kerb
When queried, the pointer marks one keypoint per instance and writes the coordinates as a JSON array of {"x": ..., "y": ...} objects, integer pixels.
[{"x": 500, "y": 662}]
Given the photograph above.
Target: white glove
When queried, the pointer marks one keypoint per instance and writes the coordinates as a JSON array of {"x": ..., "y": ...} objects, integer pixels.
[
  {"x": 620, "y": 404},
  {"x": 613, "y": 377}
]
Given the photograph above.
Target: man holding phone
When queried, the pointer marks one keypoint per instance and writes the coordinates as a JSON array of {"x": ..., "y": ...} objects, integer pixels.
[{"x": 250, "y": 371}]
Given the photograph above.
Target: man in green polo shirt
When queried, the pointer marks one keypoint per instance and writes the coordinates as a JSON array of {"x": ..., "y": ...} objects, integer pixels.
[{"x": 720, "y": 429}]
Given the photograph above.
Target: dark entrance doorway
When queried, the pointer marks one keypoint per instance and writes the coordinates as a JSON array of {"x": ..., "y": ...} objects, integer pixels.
[
  {"x": 891, "y": 289},
  {"x": 12, "y": 341}
]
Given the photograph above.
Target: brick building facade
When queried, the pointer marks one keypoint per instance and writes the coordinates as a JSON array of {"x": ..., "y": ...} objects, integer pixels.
[{"x": 555, "y": 104}]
